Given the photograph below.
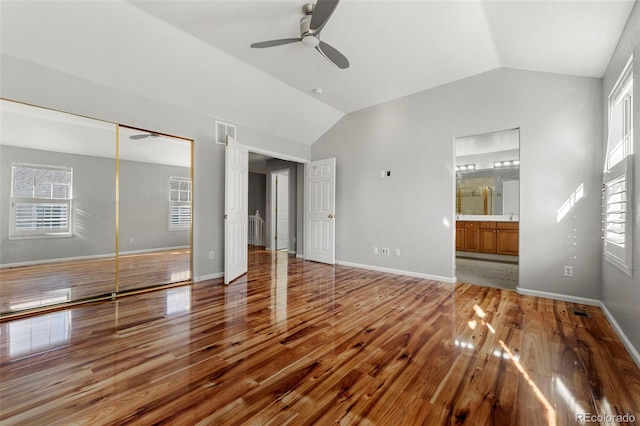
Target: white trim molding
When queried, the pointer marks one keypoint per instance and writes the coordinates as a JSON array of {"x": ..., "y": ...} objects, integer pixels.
[
  {"x": 557, "y": 296},
  {"x": 208, "y": 277},
  {"x": 627, "y": 343},
  {"x": 449, "y": 280}
]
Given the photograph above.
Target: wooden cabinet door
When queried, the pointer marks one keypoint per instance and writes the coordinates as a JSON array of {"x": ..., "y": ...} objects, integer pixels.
[
  {"x": 471, "y": 239},
  {"x": 459, "y": 238},
  {"x": 507, "y": 242},
  {"x": 487, "y": 240}
]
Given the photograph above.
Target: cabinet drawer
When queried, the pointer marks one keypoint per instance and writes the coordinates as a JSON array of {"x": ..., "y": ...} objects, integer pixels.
[
  {"x": 487, "y": 225},
  {"x": 508, "y": 225},
  {"x": 471, "y": 224}
]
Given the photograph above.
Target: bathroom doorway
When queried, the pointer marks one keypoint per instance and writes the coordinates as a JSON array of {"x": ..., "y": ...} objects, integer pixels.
[{"x": 488, "y": 209}]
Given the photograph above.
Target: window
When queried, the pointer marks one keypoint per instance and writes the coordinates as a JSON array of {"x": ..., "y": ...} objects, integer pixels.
[
  {"x": 179, "y": 203},
  {"x": 41, "y": 200},
  {"x": 617, "y": 185}
]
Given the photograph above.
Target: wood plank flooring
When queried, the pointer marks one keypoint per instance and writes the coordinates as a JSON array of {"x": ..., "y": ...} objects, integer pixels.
[
  {"x": 34, "y": 286},
  {"x": 297, "y": 342}
]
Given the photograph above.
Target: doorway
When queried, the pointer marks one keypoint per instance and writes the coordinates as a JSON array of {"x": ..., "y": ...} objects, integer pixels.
[
  {"x": 280, "y": 209},
  {"x": 488, "y": 209}
]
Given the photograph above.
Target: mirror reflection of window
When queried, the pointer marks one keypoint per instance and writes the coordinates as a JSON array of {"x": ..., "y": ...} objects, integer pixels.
[
  {"x": 39, "y": 334},
  {"x": 40, "y": 200},
  {"x": 180, "y": 203}
]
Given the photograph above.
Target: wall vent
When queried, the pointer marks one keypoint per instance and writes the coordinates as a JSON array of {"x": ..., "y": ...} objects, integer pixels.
[{"x": 222, "y": 130}]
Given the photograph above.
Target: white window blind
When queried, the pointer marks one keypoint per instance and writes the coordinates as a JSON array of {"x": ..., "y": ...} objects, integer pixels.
[
  {"x": 179, "y": 203},
  {"x": 618, "y": 174},
  {"x": 41, "y": 200}
]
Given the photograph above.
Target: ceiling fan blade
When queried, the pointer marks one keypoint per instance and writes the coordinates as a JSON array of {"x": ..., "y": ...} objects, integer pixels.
[
  {"x": 332, "y": 54},
  {"x": 136, "y": 137},
  {"x": 272, "y": 43},
  {"x": 321, "y": 13}
]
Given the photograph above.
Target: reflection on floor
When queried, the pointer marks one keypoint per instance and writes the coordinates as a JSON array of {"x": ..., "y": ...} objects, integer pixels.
[
  {"x": 33, "y": 286},
  {"x": 296, "y": 342},
  {"x": 487, "y": 273}
]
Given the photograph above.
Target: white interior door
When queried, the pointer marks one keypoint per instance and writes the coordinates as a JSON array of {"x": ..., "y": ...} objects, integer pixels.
[
  {"x": 319, "y": 220},
  {"x": 282, "y": 211},
  {"x": 236, "y": 217}
]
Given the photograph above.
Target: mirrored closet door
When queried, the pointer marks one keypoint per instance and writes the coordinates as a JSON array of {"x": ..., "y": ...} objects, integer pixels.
[
  {"x": 57, "y": 218},
  {"x": 155, "y": 190},
  {"x": 88, "y": 208}
]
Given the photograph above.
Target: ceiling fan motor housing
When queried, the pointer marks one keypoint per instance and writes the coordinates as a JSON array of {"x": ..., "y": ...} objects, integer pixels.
[{"x": 309, "y": 38}]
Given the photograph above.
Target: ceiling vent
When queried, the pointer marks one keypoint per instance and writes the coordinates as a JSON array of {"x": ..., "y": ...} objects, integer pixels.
[{"x": 222, "y": 130}]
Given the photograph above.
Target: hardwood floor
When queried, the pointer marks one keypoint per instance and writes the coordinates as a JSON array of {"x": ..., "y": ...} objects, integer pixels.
[
  {"x": 297, "y": 342},
  {"x": 34, "y": 286}
]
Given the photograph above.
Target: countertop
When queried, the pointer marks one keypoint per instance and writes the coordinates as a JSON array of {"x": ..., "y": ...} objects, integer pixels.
[{"x": 489, "y": 218}]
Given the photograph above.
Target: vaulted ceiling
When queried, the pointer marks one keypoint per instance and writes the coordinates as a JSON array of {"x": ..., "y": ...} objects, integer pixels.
[{"x": 196, "y": 54}]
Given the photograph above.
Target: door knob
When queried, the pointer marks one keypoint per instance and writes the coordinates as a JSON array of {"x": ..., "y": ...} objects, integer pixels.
[{"x": 330, "y": 216}]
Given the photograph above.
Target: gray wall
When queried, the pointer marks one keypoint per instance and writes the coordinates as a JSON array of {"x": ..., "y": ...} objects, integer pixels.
[
  {"x": 257, "y": 193},
  {"x": 144, "y": 213},
  {"x": 560, "y": 121},
  {"x": 144, "y": 207},
  {"x": 30, "y": 83},
  {"x": 621, "y": 293}
]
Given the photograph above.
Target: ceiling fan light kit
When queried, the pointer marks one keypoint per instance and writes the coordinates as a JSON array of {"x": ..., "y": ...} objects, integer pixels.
[{"x": 314, "y": 19}]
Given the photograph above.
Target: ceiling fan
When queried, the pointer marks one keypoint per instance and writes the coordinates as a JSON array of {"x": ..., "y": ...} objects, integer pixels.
[
  {"x": 144, "y": 135},
  {"x": 314, "y": 19}
]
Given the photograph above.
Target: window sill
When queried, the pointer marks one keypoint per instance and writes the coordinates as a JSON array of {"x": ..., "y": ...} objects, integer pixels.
[
  {"x": 40, "y": 236},
  {"x": 618, "y": 264}
]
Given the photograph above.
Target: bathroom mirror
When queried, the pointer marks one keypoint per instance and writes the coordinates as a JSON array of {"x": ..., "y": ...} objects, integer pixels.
[{"x": 488, "y": 174}]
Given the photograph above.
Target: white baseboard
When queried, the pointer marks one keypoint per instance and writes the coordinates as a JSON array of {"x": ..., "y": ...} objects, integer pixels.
[
  {"x": 627, "y": 343},
  {"x": 124, "y": 253},
  {"x": 557, "y": 296},
  {"x": 62, "y": 259},
  {"x": 90, "y": 257},
  {"x": 208, "y": 277},
  {"x": 449, "y": 280}
]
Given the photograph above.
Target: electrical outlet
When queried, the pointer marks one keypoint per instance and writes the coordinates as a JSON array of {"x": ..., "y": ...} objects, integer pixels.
[
  {"x": 397, "y": 252},
  {"x": 375, "y": 250},
  {"x": 211, "y": 255},
  {"x": 385, "y": 251},
  {"x": 568, "y": 271},
  {"x": 130, "y": 240}
]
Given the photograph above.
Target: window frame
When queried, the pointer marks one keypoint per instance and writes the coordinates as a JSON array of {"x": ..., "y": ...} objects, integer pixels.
[
  {"x": 180, "y": 205},
  {"x": 617, "y": 187},
  {"x": 40, "y": 203}
]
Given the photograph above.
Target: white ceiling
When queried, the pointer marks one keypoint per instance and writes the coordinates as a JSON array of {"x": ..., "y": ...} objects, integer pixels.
[{"x": 196, "y": 54}]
